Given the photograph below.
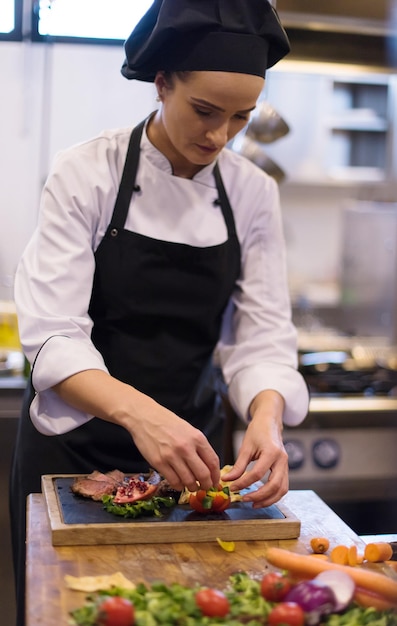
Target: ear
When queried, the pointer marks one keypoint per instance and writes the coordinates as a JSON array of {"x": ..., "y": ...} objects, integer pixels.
[{"x": 160, "y": 84}]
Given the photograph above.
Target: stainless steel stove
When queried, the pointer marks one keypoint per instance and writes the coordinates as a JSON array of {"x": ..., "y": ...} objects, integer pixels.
[{"x": 346, "y": 449}]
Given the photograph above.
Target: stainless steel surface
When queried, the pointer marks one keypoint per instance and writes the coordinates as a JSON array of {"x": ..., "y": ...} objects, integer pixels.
[
  {"x": 344, "y": 442},
  {"x": 369, "y": 269},
  {"x": 344, "y": 16},
  {"x": 355, "y": 406},
  {"x": 343, "y": 121},
  {"x": 266, "y": 124},
  {"x": 345, "y": 30},
  {"x": 345, "y": 450},
  {"x": 254, "y": 152}
]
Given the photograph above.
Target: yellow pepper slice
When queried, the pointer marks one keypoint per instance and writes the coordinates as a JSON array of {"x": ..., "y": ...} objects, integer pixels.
[{"x": 228, "y": 546}]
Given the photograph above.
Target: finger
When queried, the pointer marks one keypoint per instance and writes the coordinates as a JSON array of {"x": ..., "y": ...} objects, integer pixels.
[
  {"x": 239, "y": 466},
  {"x": 232, "y": 474},
  {"x": 275, "y": 487},
  {"x": 192, "y": 472},
  {"x": 171, "y": 476},
  {"x": 206, "y": 468},
  {"x": 263, "y": 497},
  {"x": 249, "y": 477},
  {"x": 207, "y": 471},
  {"x": 185, "y": 475}
]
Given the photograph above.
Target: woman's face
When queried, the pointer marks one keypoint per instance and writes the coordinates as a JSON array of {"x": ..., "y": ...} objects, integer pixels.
[{"x": 200, "y": 114}]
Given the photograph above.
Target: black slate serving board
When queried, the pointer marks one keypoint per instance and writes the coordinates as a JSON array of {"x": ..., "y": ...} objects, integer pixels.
[{"x": 75, "y": 520}]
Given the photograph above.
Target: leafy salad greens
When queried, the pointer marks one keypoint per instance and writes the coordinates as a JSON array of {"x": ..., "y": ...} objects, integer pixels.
[
  {"x": 174, "y": 605},
  {"x": 152, "y": 506}
]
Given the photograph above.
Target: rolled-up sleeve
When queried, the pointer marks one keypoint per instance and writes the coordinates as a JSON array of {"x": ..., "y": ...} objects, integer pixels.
[{"x": 258, "y": 345}]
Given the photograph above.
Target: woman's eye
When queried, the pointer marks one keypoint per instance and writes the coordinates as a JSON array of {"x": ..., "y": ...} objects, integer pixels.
[
  {"x": 202, "y": 112},
  {"x": 243, "y": 118}
]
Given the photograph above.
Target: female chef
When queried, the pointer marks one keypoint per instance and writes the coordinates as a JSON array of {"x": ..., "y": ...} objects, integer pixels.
[{"x": 153, "y": 248}]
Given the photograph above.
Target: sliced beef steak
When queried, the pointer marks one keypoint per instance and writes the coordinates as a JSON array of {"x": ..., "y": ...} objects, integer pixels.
[
  {"x": 125, "y": 488},
  {"x": 97, "y": 484}
]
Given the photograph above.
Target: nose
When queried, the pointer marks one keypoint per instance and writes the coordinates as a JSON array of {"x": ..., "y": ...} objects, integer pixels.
[{"x": 218, "y": 135}]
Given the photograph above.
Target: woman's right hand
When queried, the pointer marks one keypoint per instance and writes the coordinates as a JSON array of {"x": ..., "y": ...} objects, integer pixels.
[
  {"x": 177, "y": 450},
  {"x": 172, "y": 446}
]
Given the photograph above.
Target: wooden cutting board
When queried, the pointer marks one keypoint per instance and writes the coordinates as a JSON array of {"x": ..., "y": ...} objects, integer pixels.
[{"x": 81, "y": 521}]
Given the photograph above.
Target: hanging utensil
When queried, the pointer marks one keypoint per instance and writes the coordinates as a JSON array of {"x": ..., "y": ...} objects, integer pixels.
[
  {"x": 253, "y": 151},
  {"x": 266, "y": 125}
]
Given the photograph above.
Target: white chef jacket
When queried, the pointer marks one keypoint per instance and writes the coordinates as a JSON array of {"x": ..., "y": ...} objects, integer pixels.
[{"x": 257, "y": 349}]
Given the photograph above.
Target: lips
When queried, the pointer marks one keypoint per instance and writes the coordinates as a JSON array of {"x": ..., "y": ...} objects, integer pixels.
[{"x": 207, "y": 149}]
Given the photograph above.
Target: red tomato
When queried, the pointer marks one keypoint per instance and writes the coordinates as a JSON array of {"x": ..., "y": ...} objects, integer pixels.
[
  {"x": 213, "y": 603},
  {"x": 220, "y": 503},
  {"x": 275, "y": 586},
  {"x": 196, "y": 501},
  {"x": 215, "y": 500},
  {"x": 286, "y": 614},
  {"x": 116, "y": 611}
]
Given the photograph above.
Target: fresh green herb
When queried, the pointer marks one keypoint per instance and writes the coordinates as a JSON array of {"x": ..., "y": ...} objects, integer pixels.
[
  {"x": 358, "y": 616},
  {"x": 174, "y": 605},
  {"x": 153, "y": 506},
  {"x": 169, "y": 605}
]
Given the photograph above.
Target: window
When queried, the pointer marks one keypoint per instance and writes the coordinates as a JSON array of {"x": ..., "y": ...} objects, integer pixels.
[
  {"x": 10, "y": 20},
  {"x": 86, "y": 21}
]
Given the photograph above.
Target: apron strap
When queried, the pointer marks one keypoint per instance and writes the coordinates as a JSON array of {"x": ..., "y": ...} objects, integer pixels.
[
  {"x": 127, "y": 187},
  {"x": 224, "y": 202},
  {"x": 127, "y": 183}
]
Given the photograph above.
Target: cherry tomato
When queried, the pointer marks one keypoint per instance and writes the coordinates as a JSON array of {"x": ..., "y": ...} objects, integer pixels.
[
  {"x": 275, "y": 586},
  {"x": 286, "y": 614},
  {"x": 196, "y": 501},
  {"x": 116, "y": 611},
  {"x": 220, "y": 503},
  {"x": 213, "y": 603},
  {"x": 215, "y": 500}
]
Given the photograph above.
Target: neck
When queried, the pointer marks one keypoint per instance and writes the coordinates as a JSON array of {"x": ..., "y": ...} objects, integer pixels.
[{"x": 159, "y": 138}]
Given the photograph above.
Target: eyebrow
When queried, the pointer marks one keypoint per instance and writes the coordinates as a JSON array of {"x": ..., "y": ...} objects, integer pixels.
[{"x": 213, "y": 106}]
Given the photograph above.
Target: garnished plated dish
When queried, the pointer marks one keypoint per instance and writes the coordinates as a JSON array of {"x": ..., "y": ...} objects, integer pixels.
[{"x": 148, "y": 494}]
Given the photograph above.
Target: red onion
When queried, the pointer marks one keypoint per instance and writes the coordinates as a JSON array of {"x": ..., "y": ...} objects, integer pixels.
[
  {"x": 314, "y": 598},
  {"x": 341, "y": 584}
]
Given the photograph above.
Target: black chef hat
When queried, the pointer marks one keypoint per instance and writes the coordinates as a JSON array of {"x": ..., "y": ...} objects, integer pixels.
[{"x": 242, "y": 36}]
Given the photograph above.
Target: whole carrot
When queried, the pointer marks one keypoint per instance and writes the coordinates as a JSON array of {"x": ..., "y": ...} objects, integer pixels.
[
  {"x": 369, "y": 599},
  {"x": 305, "y": 566}
]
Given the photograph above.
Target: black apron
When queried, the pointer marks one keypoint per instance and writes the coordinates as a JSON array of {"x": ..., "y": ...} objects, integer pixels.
[{"x": 157, "y": 308}]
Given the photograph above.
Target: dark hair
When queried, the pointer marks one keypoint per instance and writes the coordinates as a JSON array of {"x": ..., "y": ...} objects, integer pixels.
[{"x": 183, "y": 76}]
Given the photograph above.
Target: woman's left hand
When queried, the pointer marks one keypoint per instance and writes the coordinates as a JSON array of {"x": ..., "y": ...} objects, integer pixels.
[{"x": 263, "y": 444}]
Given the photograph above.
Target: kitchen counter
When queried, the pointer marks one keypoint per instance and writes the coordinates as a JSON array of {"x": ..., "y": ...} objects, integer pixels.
[
  {"x": 11, "y": 395},
  {"x": 11, "y": 398},
  {"x": 352, "y": 404},
  {"x": 351, "y": 411},
  {"x": 49, "y": 602},
  {"x": 12, "y": 389}
]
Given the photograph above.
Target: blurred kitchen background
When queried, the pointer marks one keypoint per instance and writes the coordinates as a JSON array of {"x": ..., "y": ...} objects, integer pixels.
[{"x": 335, "y": 97}]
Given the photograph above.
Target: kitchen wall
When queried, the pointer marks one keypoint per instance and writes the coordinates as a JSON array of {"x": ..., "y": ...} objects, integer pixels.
[
  {"x": 54, "y": 95},
  {"x": 51, "y": 97}
]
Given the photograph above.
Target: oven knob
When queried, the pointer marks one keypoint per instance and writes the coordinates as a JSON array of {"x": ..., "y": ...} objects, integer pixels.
[
  {"x": 296, "y": 453},
  {"x": 326, "y": 453}
]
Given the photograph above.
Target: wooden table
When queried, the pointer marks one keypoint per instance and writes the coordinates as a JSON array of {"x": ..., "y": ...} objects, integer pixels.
[{"x": 48, "y": 602}]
